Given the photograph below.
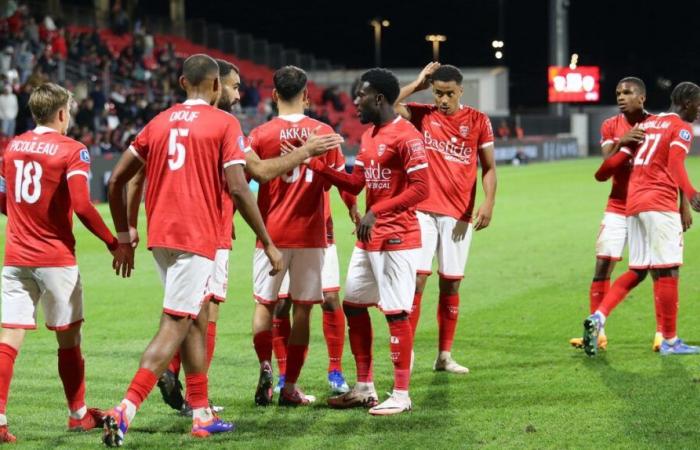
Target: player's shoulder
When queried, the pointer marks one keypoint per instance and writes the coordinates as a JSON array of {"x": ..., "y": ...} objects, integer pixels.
[
  {"x": 405, "y": 127},
  {"x": 422, "y": 107},
  {"x": 466, "y": 111},
  {"x": 323, "y": 127}
]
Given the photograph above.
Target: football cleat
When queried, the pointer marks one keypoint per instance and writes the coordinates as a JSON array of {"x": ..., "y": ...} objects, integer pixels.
[
  {"x": 658, "y": 339},
  {"x": 115, "y": 424},
  {"x": 5, "y": 436},
  {"x": 678, "y": 348},
  {"x": 591, "y": 332},
  {"x": 171, "y": 390},
  {"x": 203, "y": 429},
  {"x": 337, "y": 383},
  {"x": 449, "y": 365},
  {"x": 354, "y": 398},
  {"x": 602, "y": 342},
  {"x": 91, "y": 419},
  {"x": 392, "y": 405},
  {"x": 280, "y": 384},
  {"x": 263, "y": 393},
  {"x": 295, "y": 398}
]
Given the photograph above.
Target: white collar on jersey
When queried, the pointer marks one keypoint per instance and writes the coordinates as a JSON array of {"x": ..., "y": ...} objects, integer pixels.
[
  {"x": 292, "y": 117},
  {"x": 194, "y": 102},
  {"x": 42, "y": 129},
  {"x": 668, "y": 114}
]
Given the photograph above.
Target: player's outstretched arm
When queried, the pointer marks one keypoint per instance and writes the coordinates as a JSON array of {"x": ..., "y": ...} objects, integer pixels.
[
  {"x": 80, "y": 200},
  {"x": 613, "y": 164},
  {"x": 247, "y": 206},
  {"x": 134, "y": 194},
  {"x": 264, "y": 170},
  {"x": 488, "y": 183},
  {"x": 349, "y": 182},
  {"x": 126, "y": 168},
  {"x": 419, "y": 84},
  {"x": 676, "y": 166},
  {"x": 351, "y": 203}
]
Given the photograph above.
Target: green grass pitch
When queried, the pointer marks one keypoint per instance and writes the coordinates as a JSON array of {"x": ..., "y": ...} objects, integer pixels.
[{"x": 525, "y": 294}]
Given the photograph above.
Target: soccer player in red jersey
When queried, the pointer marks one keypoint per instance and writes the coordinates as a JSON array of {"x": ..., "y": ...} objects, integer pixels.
[
  {"x": 292, "y": 207},
  {"x": 44, "y": 179},
  {"x": 262, "y": 171},
  {"x": 333, "y": 316},
  {"x": 391, "y": 165},
  {"x": 456, "y": 136},
  {"x": 654, "y": 223},
  {"x": 187, "y": 151}
]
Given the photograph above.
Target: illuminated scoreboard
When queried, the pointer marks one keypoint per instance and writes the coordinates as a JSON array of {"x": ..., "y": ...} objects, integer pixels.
[{"x": 581, "y": 84}]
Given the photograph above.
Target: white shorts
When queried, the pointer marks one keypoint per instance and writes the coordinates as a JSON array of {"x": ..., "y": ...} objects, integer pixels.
[
  {"x": 219, "y": 279},
  {"x": 304, "y": 266},
  {"x": 330, "y": 274},
  {"x": 449, "y": 239},
  {"x": 612, "y": 237},
  {"x": 656, "y": 240},
  {"x": 384, "y": 279},
  {"x": 185, "y": 277},
  {"x": 58, "y": 288}
]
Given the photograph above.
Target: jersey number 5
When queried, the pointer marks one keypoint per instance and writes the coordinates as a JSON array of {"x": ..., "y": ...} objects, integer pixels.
[
  {"x": 27, "y": 175},
  {"x": 651, "y": 141},
  {"x": 176, "y": 150}
]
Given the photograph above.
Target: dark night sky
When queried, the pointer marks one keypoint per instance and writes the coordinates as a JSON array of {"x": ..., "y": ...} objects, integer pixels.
[{"x": 650, "y": 39}]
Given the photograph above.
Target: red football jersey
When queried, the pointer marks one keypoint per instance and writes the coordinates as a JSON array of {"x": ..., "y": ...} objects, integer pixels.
[
  {"x": 335, "y": 160},
  {"x": 387, "y": 155},
  {"x": 452, "y": 142},
  {"x": 611, "y": 131},
  {"x": 185, "y": 149},
  {"x": 36, "y": 167},
  {"x": 651, "y": 187},
  {"x": 292, "y": 205}
]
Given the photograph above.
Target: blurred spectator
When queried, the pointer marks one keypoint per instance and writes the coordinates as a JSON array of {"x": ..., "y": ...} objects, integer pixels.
[
  {"x": 251, "y": 95},
  {"x": 8, "y": 111},
  {"x": 332, "y": 95},
  {"x": 503, "y": 131}
]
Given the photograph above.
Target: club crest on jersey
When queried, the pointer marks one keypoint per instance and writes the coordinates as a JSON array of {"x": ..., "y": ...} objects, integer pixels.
[
  {"x": 464, "y": 130},
  {"x": 241, "y": 143},
  {"x": 416, "y": 148},
  {"x": 84, "y": 155},
  {"x": 381, "y": 149},
  {"x": 685, "y": 135}
]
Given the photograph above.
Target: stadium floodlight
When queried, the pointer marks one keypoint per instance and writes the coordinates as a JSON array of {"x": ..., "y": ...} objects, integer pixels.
[
  {"x": 497, "y": 44},
  {"x": 574, "y": 61},
  {"x": 436, "y": 39},
  {"x": 377, "y": 24},
  {"x": 499, "y": 54}
]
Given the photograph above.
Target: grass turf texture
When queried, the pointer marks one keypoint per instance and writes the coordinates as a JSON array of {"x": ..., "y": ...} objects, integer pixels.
[{"x": 525, "y": 294}]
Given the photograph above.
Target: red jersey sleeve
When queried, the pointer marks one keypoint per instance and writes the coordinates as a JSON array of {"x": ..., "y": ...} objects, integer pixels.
[
  {"x": 78, "y": 163},
  {"x": 682, "y": 137},
  {"x": 486, "y": 132},
  {"x": 140, "y": 145},
  {"x": 418, "y": 111},
  {"x": 607, "y": 133},
  {"x": 234, "y": 143}
]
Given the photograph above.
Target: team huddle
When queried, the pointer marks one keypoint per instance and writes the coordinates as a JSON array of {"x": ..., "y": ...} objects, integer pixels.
[
  {"x": 417, "y": 164},
  {"x": 649, "y": 207}
]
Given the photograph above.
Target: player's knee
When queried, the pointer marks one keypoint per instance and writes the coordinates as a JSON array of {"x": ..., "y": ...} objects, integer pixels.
[
  {"x": 283, "y": 306},
  {"x": 331, "y": 301},
  {"x": 603, "y": 268},
  {"x": 403, "y": 315},
  {"x": 642, "y": 274},
  {"x": 421, "y": 280},
  {"x": 449, "y": 287},
  {"x": 352, "y": 311},
  {"x": 670, "y": 272}
]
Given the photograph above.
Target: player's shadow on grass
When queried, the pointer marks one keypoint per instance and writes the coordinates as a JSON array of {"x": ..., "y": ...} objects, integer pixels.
[{"x": 660, "y": 405}]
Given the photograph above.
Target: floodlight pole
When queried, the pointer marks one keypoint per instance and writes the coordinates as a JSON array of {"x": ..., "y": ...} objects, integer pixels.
[
  {"x": 377, "y": 25},
  {"x": 558, "y": 42}
]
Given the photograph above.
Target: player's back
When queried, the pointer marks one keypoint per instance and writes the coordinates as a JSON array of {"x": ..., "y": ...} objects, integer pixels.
[
  {"x": 185, "y": 148},
  {"x": 292, "y": 205},
  {"x": 36, "y": 166},
  {"x": 651, "y": 186}
]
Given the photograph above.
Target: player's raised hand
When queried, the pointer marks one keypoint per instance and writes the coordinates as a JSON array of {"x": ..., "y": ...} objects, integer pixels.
[
  {"x": 364, "y": 230},
  {"x": 425, "y": 74},
  {"x": 123, "y": 262},
  {"x": 483, "y": 216},
  {"x": 634, "y": 136},
  {"x": 459, "y": 232},
  {"x": 275, "y": 257},
  {"x": 318, "y": 145}
]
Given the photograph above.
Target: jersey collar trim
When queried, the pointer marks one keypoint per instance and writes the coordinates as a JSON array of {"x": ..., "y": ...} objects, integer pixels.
[
  {"x": 292, "y": 117},
  {"x": 194, "y": 102},
  {"x": 42, "y": 130}
]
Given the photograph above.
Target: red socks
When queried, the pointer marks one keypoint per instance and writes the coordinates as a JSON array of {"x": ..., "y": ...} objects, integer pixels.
[
  {"x": 71, "y": 369},
  {"x": 174, "y": 365},
  {"x": 597, "y": 293},
  {"x": 211, "y": 341},
  {"x": 401, "y": 343},
  {"x": 281, "y": 328},
  {"x": 262, "y": 342},
  {"x": 618, "y": 291},
  {"x": 196, "y": 386},
  {"x": 415, "y": 311},
  {"x": 666, "y": 301},
  {"x": 296, "y": 354},
  {"x": 360, "y": 334},
  {"x": 7, "y": 365},
  {"x": 448, "y": 312},
  {"x": 334, "y": 332},
  {"x": 141, "y": 385}
]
